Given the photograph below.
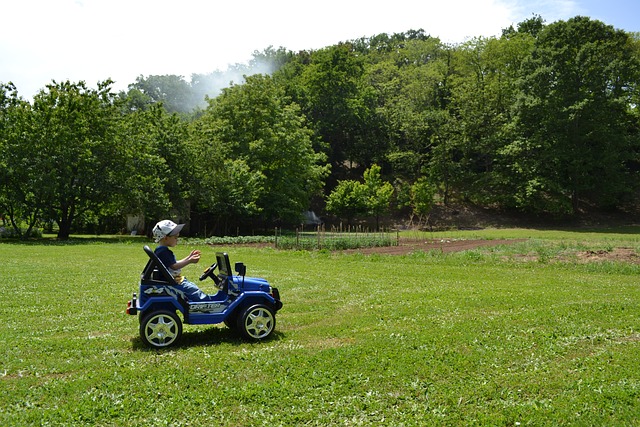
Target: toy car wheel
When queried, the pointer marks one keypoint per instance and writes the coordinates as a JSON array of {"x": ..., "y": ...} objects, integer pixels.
[
  {"x": 161, "y": 329},
  {"x": 257, "y": 322},
  {"x": 231, "y": 321}
]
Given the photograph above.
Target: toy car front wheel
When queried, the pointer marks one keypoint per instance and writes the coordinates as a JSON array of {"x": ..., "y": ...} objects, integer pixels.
[
  {"x": 257, "y": 322},
  {"x": 161, "y": 329}
]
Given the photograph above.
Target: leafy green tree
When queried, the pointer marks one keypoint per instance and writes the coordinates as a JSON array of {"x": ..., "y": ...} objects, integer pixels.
[
  {"x": 172, "y": 144},
  {"x": 482, "y": 93},
  {"x": 412, "y": 86},
  {"x": 268, "y": 60},
  {"x": 574, "y": 118},
  {"x": 531, "y": 26},
  {"x": 76, "y": 151},
  {"x": 347, "y": 200},
  {"x": 378, "y": 193},
  {"x": 258, "y": 124},
  {"x": 232, "y": 188},
  {"x": 422, "y": 198},
  {"x": 20, "y": 201},
  {"x": 329, "y": 86},
  {"x": 227, "y": 190},
  {"x": 210, "y": 85},
  {"x": 174, "y": 92},
  {"x": 147, "y": 184},
  {"x": 350, "y": 198}
]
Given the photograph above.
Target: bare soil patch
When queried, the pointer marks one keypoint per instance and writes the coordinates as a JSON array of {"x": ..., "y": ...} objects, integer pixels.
[
  {"x": 627, "y": 255},
  {"x": 616, "y": 254},
  {"x": 406, "y": 246}
]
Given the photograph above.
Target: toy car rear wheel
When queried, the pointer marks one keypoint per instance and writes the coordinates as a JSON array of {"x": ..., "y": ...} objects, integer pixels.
[
  {"x": 257, "y": 322},
  {"x": 161, "y": 329},
  {"x": 231, "y": 321}
]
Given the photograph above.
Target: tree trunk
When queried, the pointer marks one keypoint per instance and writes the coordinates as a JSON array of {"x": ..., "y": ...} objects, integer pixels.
[
  {"x": 64, "y": 230},
  {"x": 64, "y": 224}
]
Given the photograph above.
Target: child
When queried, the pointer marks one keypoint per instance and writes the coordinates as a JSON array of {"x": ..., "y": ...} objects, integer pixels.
[{"x": 166, "y": 233}]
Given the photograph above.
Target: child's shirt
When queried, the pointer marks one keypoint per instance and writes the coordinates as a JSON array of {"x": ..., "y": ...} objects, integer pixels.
[{"x": 168, "y": 259}]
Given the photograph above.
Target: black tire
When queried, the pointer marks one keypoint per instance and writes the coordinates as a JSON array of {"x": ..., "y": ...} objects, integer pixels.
[
  {"x": 161, "y": 329},
  {"x": 231, "y": 321},
  {"x": 257, "y": 322}
]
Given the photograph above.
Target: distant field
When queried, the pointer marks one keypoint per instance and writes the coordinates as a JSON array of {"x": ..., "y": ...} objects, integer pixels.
[{"x": 530, "y": 333}]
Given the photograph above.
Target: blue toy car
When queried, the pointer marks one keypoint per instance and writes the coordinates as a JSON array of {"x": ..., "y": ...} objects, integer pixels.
[{"x": 247, "y": 304}]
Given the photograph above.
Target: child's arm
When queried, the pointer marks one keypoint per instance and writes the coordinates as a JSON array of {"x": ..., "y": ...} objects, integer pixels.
[{"x": 192, "y": 258}]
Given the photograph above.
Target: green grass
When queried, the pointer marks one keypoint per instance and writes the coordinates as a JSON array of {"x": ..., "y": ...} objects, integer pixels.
[{"x": 473, "y": 338}]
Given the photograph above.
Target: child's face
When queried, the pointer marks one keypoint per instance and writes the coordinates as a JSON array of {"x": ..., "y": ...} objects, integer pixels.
[{"x": 170, "y": 241}]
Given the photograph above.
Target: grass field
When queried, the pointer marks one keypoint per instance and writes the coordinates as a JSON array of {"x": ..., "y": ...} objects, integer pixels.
[{"x": 483, "y": 337}]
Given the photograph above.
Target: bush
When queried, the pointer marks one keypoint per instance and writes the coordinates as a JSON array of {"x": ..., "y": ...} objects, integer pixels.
[
  {"x": 233, "y": 240},
  {"x": 11, "y": 233},
  {"x": 333, "y": 243}
]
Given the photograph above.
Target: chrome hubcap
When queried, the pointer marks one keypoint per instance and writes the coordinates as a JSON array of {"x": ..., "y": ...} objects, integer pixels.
[
  {"x": 259, "y": 323},
  {"x": 161, "y": 330}
]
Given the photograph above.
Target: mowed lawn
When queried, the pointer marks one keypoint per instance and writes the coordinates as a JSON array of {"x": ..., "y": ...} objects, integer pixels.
[{"x": 486, "y": 337}]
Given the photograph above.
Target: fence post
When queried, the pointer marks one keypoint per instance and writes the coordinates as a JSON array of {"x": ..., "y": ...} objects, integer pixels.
[{"x": 276, "y": 237}]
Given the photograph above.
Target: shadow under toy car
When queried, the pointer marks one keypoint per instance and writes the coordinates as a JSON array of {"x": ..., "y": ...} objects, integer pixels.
[{"x": 248, "y": 304}]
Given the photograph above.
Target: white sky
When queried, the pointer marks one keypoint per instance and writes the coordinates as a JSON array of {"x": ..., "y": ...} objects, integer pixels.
[{"x": 92, "y": 40}]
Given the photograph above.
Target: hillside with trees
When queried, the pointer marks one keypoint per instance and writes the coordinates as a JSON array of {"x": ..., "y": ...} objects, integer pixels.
[{"x": 542, "y": 120}]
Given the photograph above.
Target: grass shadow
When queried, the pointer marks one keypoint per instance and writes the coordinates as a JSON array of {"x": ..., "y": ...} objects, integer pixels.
[
  {"x": 207, "y": 337},
  {"x": 624, "y": 229},
  {"x": 77, "y": 240}
]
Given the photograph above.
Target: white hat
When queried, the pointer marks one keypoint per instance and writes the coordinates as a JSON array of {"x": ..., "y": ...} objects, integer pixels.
[{"x": 166, "y": 228}]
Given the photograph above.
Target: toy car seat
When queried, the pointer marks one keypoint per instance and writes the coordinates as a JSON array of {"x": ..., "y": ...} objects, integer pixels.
[{"x": 155, "y": 272}]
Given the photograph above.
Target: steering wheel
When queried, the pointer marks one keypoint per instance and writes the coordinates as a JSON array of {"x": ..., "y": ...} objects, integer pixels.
[{"x": 209, "y": 272}]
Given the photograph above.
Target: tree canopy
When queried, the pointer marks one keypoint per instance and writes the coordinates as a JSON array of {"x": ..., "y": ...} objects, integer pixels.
[{"x": 543, "y": 119}]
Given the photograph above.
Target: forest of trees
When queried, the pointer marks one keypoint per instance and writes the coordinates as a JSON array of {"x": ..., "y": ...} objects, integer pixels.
[{"x": 543, "y": 119}]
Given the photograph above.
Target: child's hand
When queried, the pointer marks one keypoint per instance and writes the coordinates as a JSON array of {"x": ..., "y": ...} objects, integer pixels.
[{"x": 194, "y": 257}]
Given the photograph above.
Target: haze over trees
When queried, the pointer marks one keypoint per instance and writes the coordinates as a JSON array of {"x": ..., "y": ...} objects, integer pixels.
[{"x": 543, "y": 119}]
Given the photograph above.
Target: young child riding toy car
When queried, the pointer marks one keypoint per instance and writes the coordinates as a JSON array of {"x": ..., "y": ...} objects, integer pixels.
[{"x": 246, "y": 304}]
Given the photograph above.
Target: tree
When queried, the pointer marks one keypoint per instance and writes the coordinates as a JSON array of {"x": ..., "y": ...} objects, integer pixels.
[
  {"x": 347, "y": 200},
  {"x": 351, "y": 198},
  {"x": 422, "y": 194},
  {"x": 76, "y": 151},
  {"x": 531, "y": 26},
  {"x": 483, "y": 90},
  {"x": 574, "y": 138},
  {"x": 412, "y": 84},
  {"x": 210, "y": 85},
  {"x": 377, "y": 193},
  {"x": 174, "y": 92},
  {"x": 227, "y": 190},
  {"x": 259, "y": 125},
  {"x": 329, "y": 87},
  {"x": 20, "y": 201},
  {"x": 151, "y": 178}
]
